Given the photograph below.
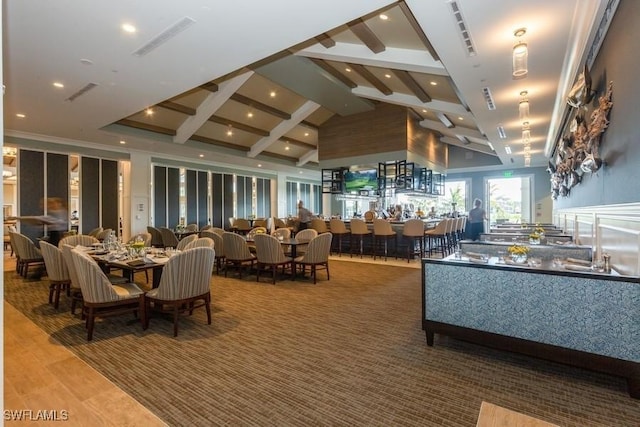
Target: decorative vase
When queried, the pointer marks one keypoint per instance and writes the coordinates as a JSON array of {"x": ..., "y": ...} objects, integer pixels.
[
  {"x": 519, "y": 259},
  {"x": 534, "y": 241}
]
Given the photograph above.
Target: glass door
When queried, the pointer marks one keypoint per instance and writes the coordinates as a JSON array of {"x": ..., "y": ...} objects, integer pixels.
[{"x": 509, "y": 199}]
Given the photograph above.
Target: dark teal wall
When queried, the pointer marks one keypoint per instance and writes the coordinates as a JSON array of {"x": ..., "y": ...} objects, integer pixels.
[{"x": 619, "y": 180}]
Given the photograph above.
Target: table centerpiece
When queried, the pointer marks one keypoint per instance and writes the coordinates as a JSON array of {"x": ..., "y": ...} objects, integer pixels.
[{"x": 518, "y": 253}]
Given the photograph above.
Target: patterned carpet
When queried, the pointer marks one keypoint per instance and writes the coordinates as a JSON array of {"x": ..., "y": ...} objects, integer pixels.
[{"x": 349, "y": 351}]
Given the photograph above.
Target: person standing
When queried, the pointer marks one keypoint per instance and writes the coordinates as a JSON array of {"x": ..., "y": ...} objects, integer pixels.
[
  {"x": 57, "y": 220},
  {"x": 477, "y": 217},
  {"x": 304, "y": 216}
]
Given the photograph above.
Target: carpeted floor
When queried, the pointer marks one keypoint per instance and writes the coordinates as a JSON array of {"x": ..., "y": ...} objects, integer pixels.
[{"x": 349, "y": 351}]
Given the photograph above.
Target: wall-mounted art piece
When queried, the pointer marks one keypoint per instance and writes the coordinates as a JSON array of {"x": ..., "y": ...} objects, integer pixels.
[{"x": 577, "y": 152}]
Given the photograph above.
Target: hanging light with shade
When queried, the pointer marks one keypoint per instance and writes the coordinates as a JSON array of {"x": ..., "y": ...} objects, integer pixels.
[{"x": 520, "y": 55}]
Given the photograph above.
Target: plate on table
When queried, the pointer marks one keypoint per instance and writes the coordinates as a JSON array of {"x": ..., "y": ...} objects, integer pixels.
[{"x": 573, "y": 267}]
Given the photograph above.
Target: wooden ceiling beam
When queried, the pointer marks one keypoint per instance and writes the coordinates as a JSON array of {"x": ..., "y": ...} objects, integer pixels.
[
  {"x": 174, "y": 106},
  {"x": 298, "y": 143},
  {"x": 413, "y": 85},
  {"x": 418, "y": 30},
  {"x": 260, "y": 106},
  {"x": 238, "y": 125},
  {"x": 309, "y": 125},
  {"x": 219, "y": 143},
  {"x": 211, "y": 87},
  {"x": 335, "y": 73},
  {"x": 325, "y": 40},
  {"x": 364, "y": 33},
  {"x": 371, "y": 78},
  {"x": 146, "y": 126}
]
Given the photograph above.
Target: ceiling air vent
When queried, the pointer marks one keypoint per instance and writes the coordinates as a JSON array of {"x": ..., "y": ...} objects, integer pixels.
[
  {"x": 488, "y": 98},
  {"x": 165, "y": 36},
  {"x": 81, "y": 92},
  {"x": 463, "y": 29},
  {"x": 501, "y": 133}
]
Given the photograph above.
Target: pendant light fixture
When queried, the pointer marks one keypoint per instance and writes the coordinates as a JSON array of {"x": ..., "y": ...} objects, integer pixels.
[
  {"x": 523, "y": 107},
  {"x": 520, "y": 55}
]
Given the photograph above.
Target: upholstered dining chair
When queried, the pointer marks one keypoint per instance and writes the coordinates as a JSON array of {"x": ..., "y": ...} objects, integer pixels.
[
  {"x": 269, "y": 253},
  {"x": 104, "y": 234},
  {"x": 218, "y": 230},
  {"x": 260, "y": 222},
  {"x": 285, "y": 233},
  {"x": 57, "y": 272},
  {"x": 27, "y": 254},
  {"x": 338, "y": 228},
  {"x": 78, "y": 239},
  {"x": 317, "y": 255},
  {"x": 169, "y": 239},
  {"x": 156, "y": 237},
  {"x": 237, "y": 253},
  {"x": 202, "y": 242},
  {"x": 218, "y": 246},
  {"x": 241, "y": 225},
  {"x": 191, "y": 227},
  {"x": 182, "y": 244},
  {"x": 303, "y": 237},
  {"x": 101, "y": 298},
  {"x": 256, "y": 230},
  {"x": 146, "y": 238},
  {"x": 185, "y": 281},
  {"x": 95, "y": 232},
  {"x": 74, "y": 288}
]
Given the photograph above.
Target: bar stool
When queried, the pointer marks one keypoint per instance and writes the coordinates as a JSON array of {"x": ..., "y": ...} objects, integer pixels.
[
  {"x": 437, "y": 237},
  {"x": 413, "y": 231},
  {"x": 338, "y": 228},
  {"x": 358, "y": 230},
  {"x": 383, "y": 230}
]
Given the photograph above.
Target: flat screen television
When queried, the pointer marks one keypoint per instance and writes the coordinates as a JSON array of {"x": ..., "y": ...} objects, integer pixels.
[{"x": 361, "y": 180}]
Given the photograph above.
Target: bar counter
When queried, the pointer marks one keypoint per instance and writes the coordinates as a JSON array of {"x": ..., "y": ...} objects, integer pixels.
[{"x": 581, "y": 318}]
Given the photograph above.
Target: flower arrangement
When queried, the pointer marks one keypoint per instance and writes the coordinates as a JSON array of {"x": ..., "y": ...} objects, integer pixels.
[
  {"x": 534, "y": 235},
  {"x": 259, "y": 231},
  {"x": 518, "y": 250},
  {"x": 538, "y": 230}
]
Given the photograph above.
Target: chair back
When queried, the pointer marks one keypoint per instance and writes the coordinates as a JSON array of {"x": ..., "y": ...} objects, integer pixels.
[
  {"x": 182, "y": 244},
  {"x": 71, "y": 268},
  {"x": 94, "y": 284},
  {"x": 219, "y": 231},
  {"x": 169, "y": 239},
  {"x": 369, "y": 216},
  {"x": 206, "y": 227},
  {"x": 318, "y": 249},
  {"x": 440, "y": 228},
  {"x": 186, "y": 275},
  {"x": 156, "y": 237},
  {"x": 260, "y": 222},
  {"x": 235, "y": 247},
  {"x": 78, "y": 239},
  {"x": 284, "y": 232},
  {"x": 218, "y": 244},
  {"x": 382, "y": 227},
  {"x": 279, "y": 223},
  {"x": 319, "y": 225},
  {"x": 191, "y": 227},
  {"x": 242, "y": 224},
  {"x": 103, "y": 234},
  {"x": 95, "y": 232},
  {"x": 305, "y": 236},
  {"x": 413, "y": 228},
  {"x": 256, "y": 230},
  {"x": 146, "y": 238},
  {"x": 338, "y": 226},
  {"x": 202, "y": 242},
  {"x": 207, "y": 233},
  {"x": 54, "y": 262},
  {"x": 269, "y": 250},
  {"x": 25, "y": 248},
  {"x": 358, "y": 226}
]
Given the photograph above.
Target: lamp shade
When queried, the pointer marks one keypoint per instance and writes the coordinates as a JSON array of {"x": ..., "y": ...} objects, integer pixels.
[
  {"x": 520, "y": 57},
  {"x": 523, "y": 109}
]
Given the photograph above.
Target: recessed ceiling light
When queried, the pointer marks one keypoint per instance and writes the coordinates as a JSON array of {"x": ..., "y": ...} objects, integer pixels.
[
  {"x": 348, "y": 70},
  {"x": 259, "y": 165},
  {"x": 20, "y": 116},
  {"x": 58, "y": 84},
  {"x": 461, "y": 118},
  {"x": 128, "y": 28},
  {"x": 122, "y": 141},
  {"x": 388, "y": 76},
  {"x": 424, "y": 110},
  {"x": 383, "y": 17},
  {"x": 201, "y": 155},
  {"x": 229, "y": 132},
  {"x": 433, "y": 83},
  {"x": 306, "y": 134},
  {"x": 249, "y": 114},
  {"x": 149, "y": 112},
  {"x": 301, "y": 172},
  {"x": 286, "y": 148},
  {"x": 273, "y": 94}
]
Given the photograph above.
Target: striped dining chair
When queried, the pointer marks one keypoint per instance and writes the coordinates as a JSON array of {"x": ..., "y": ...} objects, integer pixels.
[
  {"x": 202, "y": 242},
  {"x": 237, "y": 253},
  {"x": 317, "y": 255},
  {"x": 78, "y": 239},
  {"x": 218, "y": 246},
  {"x": 57, "y": 272},
  {"x": 269, "y": 253},
  {"x": 27, "y": 254},
  {"x": 185, "y": 281},
  {"x": 101, "y": 298},
  {"x": 186, "y": 241}
]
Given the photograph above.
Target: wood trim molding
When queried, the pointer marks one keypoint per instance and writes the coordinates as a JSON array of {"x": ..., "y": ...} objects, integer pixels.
[
  {"x": 335, "y": 73},
  {"x": 238, "y": 125},
  {"x": 260, "y": 106},
  {"x": 364, "y": 33},
  {"x": 219, "y": 143},
  {"x": 174, "y": 106},
  {"x": 325, "y": 40},
  {"x": 406, "y": 78},
  {"x": 371, "y": 78},
  {"x": 145, "y": 126}
]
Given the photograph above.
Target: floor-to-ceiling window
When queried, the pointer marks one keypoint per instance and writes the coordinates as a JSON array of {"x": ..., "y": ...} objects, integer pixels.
[{"x": 509, "y": 199}]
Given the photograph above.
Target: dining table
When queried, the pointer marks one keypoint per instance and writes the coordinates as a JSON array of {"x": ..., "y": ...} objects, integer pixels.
[{"x": 108, "y": 260}]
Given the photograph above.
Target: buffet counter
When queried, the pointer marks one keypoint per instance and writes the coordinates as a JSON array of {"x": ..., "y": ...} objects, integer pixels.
[{"x": 577, "y": 317}]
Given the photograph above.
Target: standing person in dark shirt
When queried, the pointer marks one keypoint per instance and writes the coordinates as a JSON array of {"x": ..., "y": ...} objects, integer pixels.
[
  {"x": 304, "y": 216},
  {"x": 477, "y": 217}
]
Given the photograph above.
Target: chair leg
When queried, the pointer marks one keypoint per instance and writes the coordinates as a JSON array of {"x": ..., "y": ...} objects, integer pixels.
[
  {"x": 91, "y": 318},
  {"x": 313, "y": 272},
  {"x": 207, "y": 306},
  {"x": 175, "y": 320}
]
